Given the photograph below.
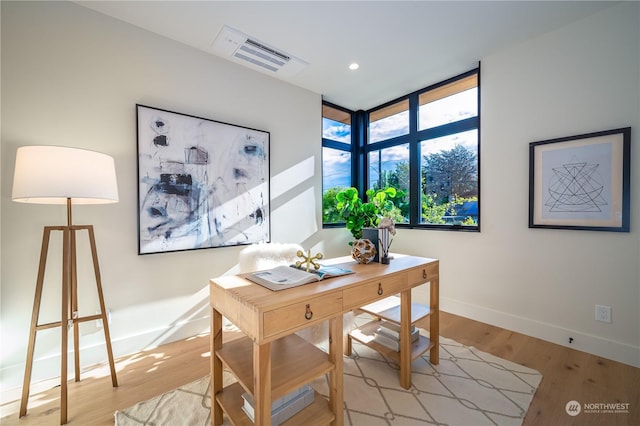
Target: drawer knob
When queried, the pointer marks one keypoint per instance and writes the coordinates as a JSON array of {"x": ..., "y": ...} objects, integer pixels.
[
  {"x": 380, "y": 291},
  {"x": 424, "y": 274},
  {"x": 309, "y": 313}
]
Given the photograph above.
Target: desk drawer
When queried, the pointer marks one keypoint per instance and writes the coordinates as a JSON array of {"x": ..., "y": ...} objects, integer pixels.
[
  {"x": 302, "y": 314},
  {"x": 423, "y": 274},
  {"x": 373, "y": 290}
]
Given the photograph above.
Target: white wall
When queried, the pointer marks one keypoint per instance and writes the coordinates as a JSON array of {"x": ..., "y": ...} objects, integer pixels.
[
  {"x": 582, "y": 78},
  {"x": 73, "y": 77}
]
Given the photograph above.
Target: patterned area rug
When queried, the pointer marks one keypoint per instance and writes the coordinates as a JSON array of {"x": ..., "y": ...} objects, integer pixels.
[{"x": 468, "y": 387}]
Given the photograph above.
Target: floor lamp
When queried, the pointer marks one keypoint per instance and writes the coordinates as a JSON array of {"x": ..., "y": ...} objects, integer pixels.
[{"x": 61, "y": 175}]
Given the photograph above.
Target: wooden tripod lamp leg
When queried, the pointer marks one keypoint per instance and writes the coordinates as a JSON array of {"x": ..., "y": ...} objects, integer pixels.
[
  {"x": 103, "y": 310},
  {"x": 73, "y": 304},
  {"x": 34, "y": 321},
  {"x": 66, "y": 284}
]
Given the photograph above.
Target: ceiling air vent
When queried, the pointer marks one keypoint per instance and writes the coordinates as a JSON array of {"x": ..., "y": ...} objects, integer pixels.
[{"x": 236, "y": 46}]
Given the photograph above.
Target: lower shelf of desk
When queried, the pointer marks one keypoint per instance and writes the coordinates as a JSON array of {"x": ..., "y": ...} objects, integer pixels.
[
  {"x": 294, "y": 363},
  {"x": 389, "y": 309},
  {"x": 230, "y": 399},
  {"x": 366, "y": 333}
]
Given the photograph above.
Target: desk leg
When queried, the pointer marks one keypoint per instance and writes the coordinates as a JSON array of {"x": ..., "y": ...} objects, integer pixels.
[
  {"x": 405, "y": 339},
  {"x": 434, "y": 321},
  {"x": 216, "y": 366},
  {"x": 336, "y": 378},
  {"x": 347, "y": 345},
  {"x": 262, "y": 383}
]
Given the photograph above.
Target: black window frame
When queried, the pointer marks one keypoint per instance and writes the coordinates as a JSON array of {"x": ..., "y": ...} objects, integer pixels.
[
  {"x": 346, "y": 147},
  {"x": 360, "y": 150}
]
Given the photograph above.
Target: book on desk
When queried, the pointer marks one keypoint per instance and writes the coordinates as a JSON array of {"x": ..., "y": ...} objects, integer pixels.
[{"x": 283, "y": 277}]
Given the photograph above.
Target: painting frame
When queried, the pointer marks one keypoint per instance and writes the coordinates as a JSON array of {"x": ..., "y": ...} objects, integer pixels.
[
  {"x": 581, "y": 182},
  {"x": 202, "y": 183}
]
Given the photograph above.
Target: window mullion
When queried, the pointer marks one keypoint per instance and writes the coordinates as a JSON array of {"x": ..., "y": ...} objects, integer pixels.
[
  {"x": 358, "y": 143},
  {"x": 414, "y": 161},
  {"x": 449, "y": 128}
]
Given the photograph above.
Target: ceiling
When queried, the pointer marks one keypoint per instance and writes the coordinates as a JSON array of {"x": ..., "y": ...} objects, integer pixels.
[{"x": 400, "y": 46}]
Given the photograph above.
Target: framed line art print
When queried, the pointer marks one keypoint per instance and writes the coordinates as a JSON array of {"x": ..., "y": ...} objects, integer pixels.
[
  {"x": 581, "y": 182},
  {"x": 201, "y": 183}
]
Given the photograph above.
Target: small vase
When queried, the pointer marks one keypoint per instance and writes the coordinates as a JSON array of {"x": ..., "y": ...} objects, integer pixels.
[{"x": 384, "y": 239}]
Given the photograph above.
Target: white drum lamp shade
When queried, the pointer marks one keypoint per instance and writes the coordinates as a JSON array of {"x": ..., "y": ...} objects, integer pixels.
[{"x": 54, "y": 174}]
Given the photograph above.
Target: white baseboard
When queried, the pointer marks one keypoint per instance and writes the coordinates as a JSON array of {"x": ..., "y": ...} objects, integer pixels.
[
  {"x": 46, "y": 369},
  {"x": 595, "y": 345}
]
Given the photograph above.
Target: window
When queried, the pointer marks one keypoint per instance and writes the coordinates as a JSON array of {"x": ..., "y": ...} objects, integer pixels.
[
  {"x": 425, "y": 144},
  {"x": 390, "y": 167},
  {"x": 336, "y": 124},
  {"x": 389, "y": 122},
  {"x": 448, "y": 103},
  {"x": 336, "y": 158},
  {"x": 448, "y": 151},
  {"x": 449, "y": 180}
]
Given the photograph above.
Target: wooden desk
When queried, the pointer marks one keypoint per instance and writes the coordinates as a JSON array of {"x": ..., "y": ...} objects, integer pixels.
[{"x": 272, "y": 361}]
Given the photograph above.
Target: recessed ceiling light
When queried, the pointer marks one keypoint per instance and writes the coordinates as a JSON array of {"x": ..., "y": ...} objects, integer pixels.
[{"x": 354, "y": 66}]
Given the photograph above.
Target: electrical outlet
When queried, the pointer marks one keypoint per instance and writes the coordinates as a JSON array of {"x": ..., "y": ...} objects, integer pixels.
[{"x": 603, "y": 313}]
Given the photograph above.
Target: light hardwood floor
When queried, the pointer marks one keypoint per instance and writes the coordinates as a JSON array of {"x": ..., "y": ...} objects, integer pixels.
[{"x": 567, "y": 375}]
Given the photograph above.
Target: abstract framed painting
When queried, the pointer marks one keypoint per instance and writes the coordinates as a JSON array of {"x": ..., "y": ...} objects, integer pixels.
[
  {"x": 201, "y": 183},
  {"x": 581, "y": 182}
]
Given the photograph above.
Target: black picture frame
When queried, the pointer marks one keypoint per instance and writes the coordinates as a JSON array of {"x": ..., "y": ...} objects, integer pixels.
[
  {"x": 201, "y": 183},
  {"x": 581, "y": 182}
]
